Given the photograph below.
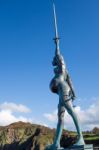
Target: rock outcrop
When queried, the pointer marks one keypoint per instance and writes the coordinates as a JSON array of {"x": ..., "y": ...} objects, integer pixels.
[{"x": 26, "y": 136}]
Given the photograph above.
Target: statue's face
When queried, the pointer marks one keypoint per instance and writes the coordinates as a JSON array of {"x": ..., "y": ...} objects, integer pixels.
[{"x": 54, "y": 62}]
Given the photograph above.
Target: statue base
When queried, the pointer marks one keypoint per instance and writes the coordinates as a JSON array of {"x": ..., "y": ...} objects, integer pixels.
[
  {"x": 75, "y": 147},
  {"x": 79, "y": 147}
]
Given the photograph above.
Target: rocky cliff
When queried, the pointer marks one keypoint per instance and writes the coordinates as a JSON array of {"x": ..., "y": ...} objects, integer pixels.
[{"x": 26, "y": 136}]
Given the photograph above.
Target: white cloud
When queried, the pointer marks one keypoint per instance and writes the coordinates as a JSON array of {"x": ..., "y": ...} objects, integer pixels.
[
  {"x": 89, "y": 117},
  {"x": 40, "y": 122},
  {"x": 7, "y": 115},
  {"x": 14, "y": 107},
  {"x": 51, "y": 117}
]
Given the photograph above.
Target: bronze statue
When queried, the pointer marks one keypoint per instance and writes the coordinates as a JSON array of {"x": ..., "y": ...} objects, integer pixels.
[{"x": 61, "y": 84}]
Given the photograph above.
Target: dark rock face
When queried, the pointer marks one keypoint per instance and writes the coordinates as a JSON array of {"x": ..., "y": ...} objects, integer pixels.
[
  {"x": 26, "y": 136},
  {"x": 67, "y": 140}
]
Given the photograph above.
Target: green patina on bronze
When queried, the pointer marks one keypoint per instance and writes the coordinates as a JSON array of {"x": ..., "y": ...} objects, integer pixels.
[{"x": 61, "y": 84}]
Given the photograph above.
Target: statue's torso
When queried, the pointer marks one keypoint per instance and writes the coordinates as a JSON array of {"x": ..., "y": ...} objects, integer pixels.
[{"x": 59, "y": 85}]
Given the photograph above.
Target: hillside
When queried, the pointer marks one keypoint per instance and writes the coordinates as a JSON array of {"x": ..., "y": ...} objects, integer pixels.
[{"x": 26, "y": 136}]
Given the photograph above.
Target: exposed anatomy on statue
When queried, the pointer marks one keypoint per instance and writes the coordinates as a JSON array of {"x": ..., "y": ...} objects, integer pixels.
[{"x": 61, "y": 84}]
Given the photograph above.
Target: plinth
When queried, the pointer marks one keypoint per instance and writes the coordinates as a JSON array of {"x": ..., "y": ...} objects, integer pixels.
[
  {"x": 75, "y": 147},
  {"x": 81, "y": 147}
]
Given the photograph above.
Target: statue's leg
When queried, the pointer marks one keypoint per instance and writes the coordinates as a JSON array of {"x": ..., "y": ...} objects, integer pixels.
[
  {"x": 61, "y": 111},
  {"x": 71, "y": 111}
]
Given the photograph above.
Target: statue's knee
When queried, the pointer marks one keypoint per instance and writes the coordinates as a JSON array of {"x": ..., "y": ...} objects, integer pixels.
[
  {"x": 70, "y": 111},
  {"x": 61, "y": 112},
  {"x": 61, "y": 118}
]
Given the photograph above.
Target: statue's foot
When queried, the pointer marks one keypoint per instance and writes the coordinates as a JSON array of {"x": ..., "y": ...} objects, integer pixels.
[
  {"x": 52, "y": 147},
  {"x": 80, "y": 141}
]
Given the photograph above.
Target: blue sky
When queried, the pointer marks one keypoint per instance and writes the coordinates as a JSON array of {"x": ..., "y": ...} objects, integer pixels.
[{"x": 27, "y": 49}]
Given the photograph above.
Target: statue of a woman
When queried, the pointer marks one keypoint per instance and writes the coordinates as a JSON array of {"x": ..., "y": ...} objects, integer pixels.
[{"x": 61, "y": 84}]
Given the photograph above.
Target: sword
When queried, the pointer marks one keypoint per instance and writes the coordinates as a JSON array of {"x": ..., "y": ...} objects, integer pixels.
[{"x": 56, "y": 39}]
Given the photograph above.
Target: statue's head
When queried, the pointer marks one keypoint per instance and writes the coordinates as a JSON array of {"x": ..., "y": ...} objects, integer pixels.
[
  {"x": 56, "y": 63},
  {"x": 58, "y": 60}
]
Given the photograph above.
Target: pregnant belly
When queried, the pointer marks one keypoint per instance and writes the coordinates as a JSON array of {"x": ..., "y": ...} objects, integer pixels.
[
  {"x": 57, "y": 86},
  {"x": 54, "y": 86}
]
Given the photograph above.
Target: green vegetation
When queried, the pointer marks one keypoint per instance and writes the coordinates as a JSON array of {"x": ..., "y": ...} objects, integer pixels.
[
  {"x": 92, "y": 138},
  {"x": 22, "y": 136}
]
